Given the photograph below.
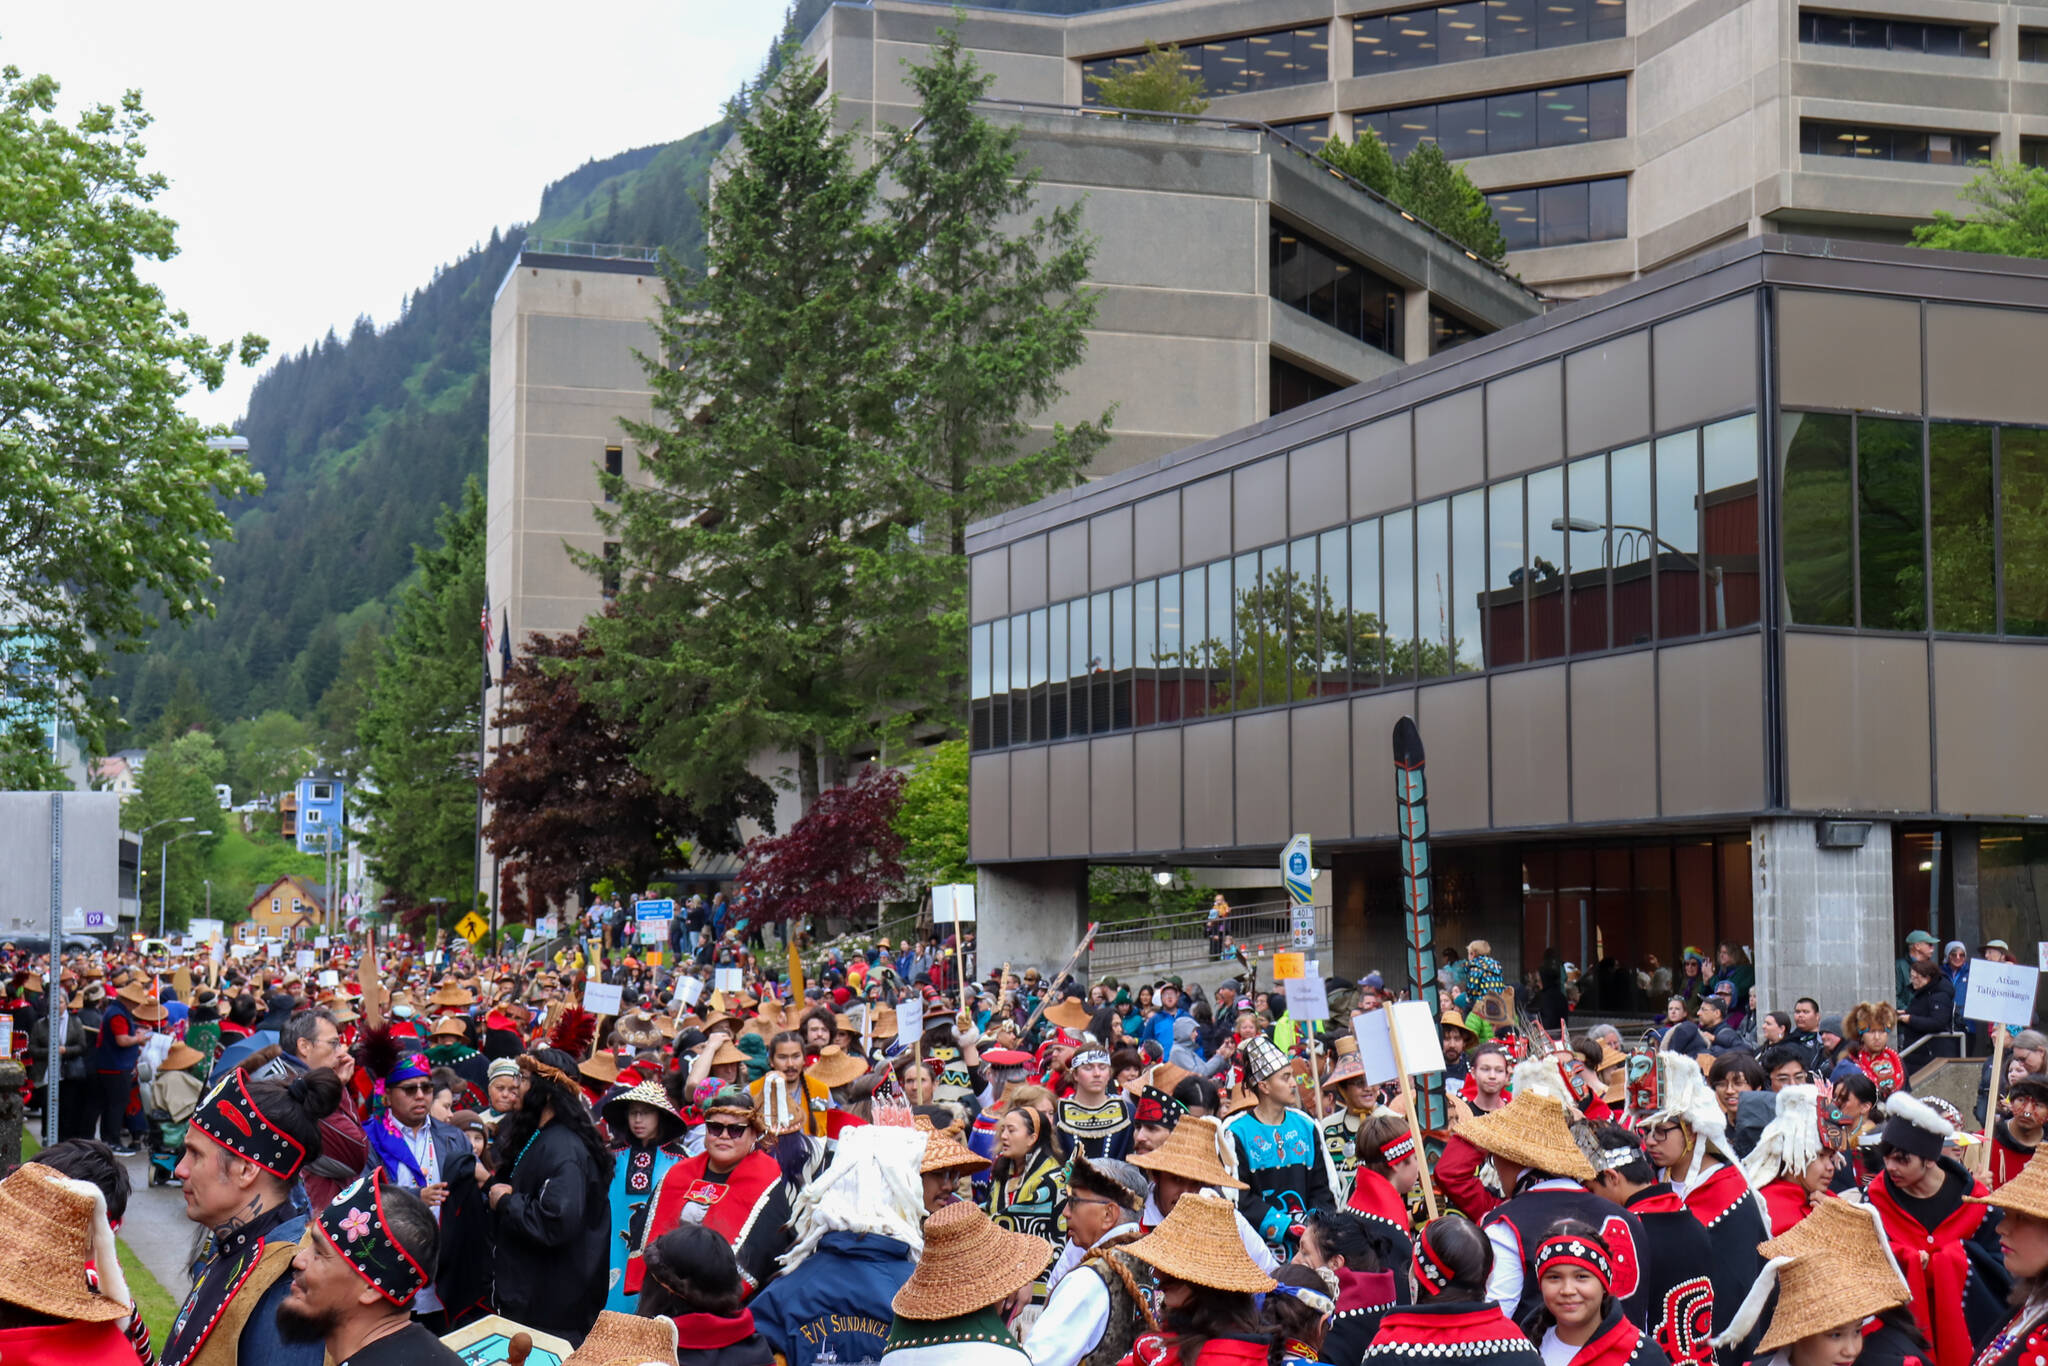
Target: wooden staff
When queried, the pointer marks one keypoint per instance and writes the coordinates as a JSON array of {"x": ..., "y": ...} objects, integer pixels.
[
  {"x": 960, "y": 956},
  {"x": 1065, "y": 971},
  {"x": 1980, "y": 1156},
  {"x": 1414, "y": 1125}
]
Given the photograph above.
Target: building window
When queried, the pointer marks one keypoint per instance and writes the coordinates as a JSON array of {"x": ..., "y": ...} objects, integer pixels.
[
  {"x": 1559, "y": 116},
  {"x": 1894, "y": 35},
  {"x": 1875, "y": 142},
  {"x": 277, "y": 905},
  {"x": 2034, "y": 45},
  {"x": 1313, "y": 134},
  {"x": 2034, "y": 152},
  {"x": 1332, "y": 288},
  {"x": 323, "y": 792},
  {"x": 1484, "y": 28},
  {"x": 1447, "y": 331},
  {"x": 1234, "y": 66},
  {"x": 1873, "y": 504},
  {"x": 312, "y": 815},
  {"x": 615, "y": 466},
  {"x": 1561, "y": 215},
  {"x": 609, "y": 582},
  {"x": 1290, "y": 386},
  {"x": 1653, "y": 541}
]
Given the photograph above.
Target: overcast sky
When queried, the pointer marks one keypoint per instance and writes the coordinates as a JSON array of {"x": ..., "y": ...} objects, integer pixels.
[{"x": 324, "y": 159}]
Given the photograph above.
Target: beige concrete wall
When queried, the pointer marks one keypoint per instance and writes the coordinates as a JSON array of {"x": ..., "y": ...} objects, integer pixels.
[{"x": 1717, "y": 92}]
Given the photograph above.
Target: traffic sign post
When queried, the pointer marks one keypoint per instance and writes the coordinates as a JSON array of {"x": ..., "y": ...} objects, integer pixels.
[
  {"x": 472, "y": 927},
  {"x": 1297, "y": 874}
]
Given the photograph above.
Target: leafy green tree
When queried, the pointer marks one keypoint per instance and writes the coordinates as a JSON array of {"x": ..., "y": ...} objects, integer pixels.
[
  {"x": 1365, "y": 159},
  {"x": 1443, "y": 196},
  {"x": 109, "y": 494},
  {"x": 177, "y": 782},
  {"x": 932, "y": 818},
  {"x": 1159, "y": 81},
  {"x": 267, "y": 754},
  {"x": 992, "y": 301},
  {"x": 2011, "y": 218},
  {"x": 419, "y": 731}
]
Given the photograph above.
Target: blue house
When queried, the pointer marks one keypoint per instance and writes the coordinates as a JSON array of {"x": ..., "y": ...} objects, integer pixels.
[{"x": 321, "y": 819}]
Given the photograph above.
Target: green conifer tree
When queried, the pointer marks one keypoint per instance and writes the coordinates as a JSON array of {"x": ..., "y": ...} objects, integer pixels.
[
  {"x": 1443, "y": 196},
  {"x": 1159, "y": 81},
  {"x": 1366, "y": 160}
]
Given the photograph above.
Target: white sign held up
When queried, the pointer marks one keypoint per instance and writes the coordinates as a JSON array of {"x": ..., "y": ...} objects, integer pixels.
[
  {"x": 689, "y": 989},
  {"x": 729, "y": 979},
  {"x": 910, "y": 1020},
  {"x": 2002, "y": 993},
  {"x": 600, "y": 999},
  {"x": 1306, "y": 998}
]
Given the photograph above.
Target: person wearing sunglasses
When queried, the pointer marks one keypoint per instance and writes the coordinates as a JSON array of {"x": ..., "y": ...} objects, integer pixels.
[
  {"x": 414, "y": 1151},
  {"x": 732, "y": 1188}
]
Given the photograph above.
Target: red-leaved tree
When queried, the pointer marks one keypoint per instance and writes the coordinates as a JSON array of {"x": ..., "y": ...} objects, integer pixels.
[
  {"x": 839, "y": 859},
  {"x": 567, "y": 804}
]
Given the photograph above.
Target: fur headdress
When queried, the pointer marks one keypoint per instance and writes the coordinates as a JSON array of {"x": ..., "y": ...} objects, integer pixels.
[
  {"x": 1689, "y": 1100},
  {"x": 1539, "y": 1075},
  {"x": 1913, "y": 1126},
  {"x": 1793, "y": 1138},
  {"x": 1869, "y": 1015}
]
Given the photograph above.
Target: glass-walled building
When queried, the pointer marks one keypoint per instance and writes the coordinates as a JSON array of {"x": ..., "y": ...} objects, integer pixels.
[{"x": 1715, "y": 598}]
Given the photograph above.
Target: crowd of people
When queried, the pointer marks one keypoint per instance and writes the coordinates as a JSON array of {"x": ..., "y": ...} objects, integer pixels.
[{"x": 382, "y": 1147}]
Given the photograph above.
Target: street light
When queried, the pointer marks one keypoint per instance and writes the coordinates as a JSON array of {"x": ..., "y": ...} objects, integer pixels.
[
  {"x": 1583, "y": 524},
  {"x": 163, "y": 873},
  {"x": 142, "y": 844}
]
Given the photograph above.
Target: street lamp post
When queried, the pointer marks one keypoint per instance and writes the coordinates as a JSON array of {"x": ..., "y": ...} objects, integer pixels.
[
  {"x": 141, "y": 870},
  {"x": 1586, "y": 524},
  {"x": 163, "y": 873}
]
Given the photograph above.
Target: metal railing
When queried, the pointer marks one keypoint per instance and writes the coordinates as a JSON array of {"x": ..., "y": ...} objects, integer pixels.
[
  {"x": 1254, "y": 125},
  {"x": 598, "y": 251},
  {"x": 1182, "y": 942}
]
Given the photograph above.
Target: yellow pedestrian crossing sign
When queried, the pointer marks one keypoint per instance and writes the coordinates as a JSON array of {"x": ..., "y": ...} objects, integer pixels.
[{"x": 472, "y": 927}]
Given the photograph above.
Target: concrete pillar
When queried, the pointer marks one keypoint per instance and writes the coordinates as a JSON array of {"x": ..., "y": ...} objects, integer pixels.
[
  {"x": 1823, "y": 916},
  {"x": 1959, "y": 852},
  {"x": 1415, "y": 326},
  {"x": 12, "y": 1079},
  {"x": 1028, "y": 914}
]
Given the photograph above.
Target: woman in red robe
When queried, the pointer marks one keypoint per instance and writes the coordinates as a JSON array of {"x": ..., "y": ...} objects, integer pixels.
[{"x": 732, "y": 1188}]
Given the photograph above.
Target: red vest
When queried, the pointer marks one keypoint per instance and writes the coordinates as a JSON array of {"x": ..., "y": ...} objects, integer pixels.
[{"x": 728, "y": 1209}]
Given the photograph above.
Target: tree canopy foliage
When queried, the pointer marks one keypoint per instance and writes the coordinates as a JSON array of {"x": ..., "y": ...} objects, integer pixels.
[
  {"x": 419, "y": 733},
  {"x": 108, "y": 492},
  {"x": 2010, "y": 219},
  {"x": 932, "y": 817},
  {"x": 840, "y": 858},
  {"x": 1426, "y": 184},
  {"x": 1159, "y": 81}
]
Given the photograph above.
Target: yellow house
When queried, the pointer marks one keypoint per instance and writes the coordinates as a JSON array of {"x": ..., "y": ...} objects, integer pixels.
[{"x": 288, "y": 904}]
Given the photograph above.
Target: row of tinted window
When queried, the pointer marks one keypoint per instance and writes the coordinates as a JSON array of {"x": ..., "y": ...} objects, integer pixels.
[
  {"x": 1514, "y": 122},
  {"x": 2034, "y": 152},
  {"x": 1332, "y": 288},
  {"x": 1874, "y": 142},
  {"x": 1655, "y": 541},
  {"x": 1894, "y": 35},
  {"x": 1289, "y": 385},
  {"x": 1235, "y": 66},
  {"x": 1561, "y": 215},
  {"x": 1898, "y": 525},
  {"x": 1481, "y": 28},
  {"x": 2034, "y": 45},
  {"x": 1313, "y": 134}
]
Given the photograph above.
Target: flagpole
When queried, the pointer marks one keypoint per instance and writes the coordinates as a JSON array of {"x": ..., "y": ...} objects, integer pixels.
[{"x": 483, "y": 731}]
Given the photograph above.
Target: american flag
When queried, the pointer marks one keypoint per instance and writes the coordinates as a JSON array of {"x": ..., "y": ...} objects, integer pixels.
[{"x": 484, "y": 621}]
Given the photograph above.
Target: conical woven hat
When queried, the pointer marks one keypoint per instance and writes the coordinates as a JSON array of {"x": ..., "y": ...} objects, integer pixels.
[
  {"x": 945, "y": 1153},
  {"x": 1532, "y": 1130},
  {"x": 626, "y": 1340},
  {"x": 1069, "y": 1014},
  {"x": 2026, "y": 1193},
  {"x": 1823, "y": 1290},
  {"x": 1190, "y": 1152},
  {"x": 969, "y": 1264},
  {"x": 1198, "y": 1243},
  {"x": 46, "y": 1239},
  {"x": 835, "y": 1067},
  {"x": 648, "y": 1092}
]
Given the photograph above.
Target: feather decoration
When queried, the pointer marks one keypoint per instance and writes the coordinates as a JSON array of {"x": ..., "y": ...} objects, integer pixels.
[
  {"x": 574, "y": 1033},
  {"x": 377, "y": 1051}
]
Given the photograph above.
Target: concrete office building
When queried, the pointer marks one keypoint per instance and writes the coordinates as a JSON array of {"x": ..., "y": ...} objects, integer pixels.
[
  {"x": 1614, "y": 136},
  {"x": 1720, "y": 600}
]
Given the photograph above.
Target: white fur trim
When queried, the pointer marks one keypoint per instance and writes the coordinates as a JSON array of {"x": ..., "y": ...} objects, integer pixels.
[
  {"x": 1918, "y": 1113},
  {"x": 1791, "y": 1140},
  {"x": 1752, "y": 1307},
  {"x": 872, "y": 1186}
]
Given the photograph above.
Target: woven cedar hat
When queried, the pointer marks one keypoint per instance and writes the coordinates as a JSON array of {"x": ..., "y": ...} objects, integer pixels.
[
  {"x": 449, "y": 1026},
  {"x": 1348, "y": 1065},
  {"x": 1533, "y": 1130},
  {"x": 651, "y": 1093},
  {"x": 626, "y": 1340},
  {"x": 182, "y": 1057},
  {"x": 1071, "y": 1013},
  {"x": 945, "y": 1153},
  {"x": 1833, "y": 1267},
  {"x": 1198, "y": 1243},
  {"x": 1191, "y": 1153},
  {"x": 48, "y": 1233},
  {"x": 451, "y": 996},
  {"x": 835, "y": 1067},
  {"x": 1165, "y": 1075},
  {"x": 602, "y": 1068},
  {"x": 2026, "y": 1193},
  {"x": 969, "y": 1264}
]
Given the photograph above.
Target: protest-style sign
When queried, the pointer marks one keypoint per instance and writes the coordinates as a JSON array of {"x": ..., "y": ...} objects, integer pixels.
[
  {"x": 600, "y": 999},
  {"x": 691, "y": 989},
  {"x": 1287, "y": 966},
  {"x": 2002, "y": 993},
  {"x": 910, "y": 1021},
  {"x": 729, "y": 979},
  {"x": 1306, "y": 998}
]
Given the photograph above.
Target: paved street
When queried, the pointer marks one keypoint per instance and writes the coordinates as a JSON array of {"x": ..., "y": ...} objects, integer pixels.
[{"x": 156, "y": 1228}]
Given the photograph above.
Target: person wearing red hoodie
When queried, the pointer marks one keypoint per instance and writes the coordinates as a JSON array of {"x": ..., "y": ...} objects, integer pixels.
[{"x": 1452, "y": 1320}]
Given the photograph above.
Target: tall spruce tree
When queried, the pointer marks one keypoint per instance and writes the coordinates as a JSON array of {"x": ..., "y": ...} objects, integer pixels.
[
  {"x": 419, "y": 728},
  {"x": 756, "y": 557},
  {"x": 993, "y": 298}
]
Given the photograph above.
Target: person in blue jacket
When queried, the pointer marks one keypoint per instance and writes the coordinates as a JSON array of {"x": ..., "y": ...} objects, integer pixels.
[
  {"x": 858, "y": 1234},
  {"x": 1159, "y": 1029}
]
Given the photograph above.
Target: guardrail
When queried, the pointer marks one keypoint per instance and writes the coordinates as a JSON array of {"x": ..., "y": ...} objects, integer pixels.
[
  {"x": 599, "y": 251},
  {"x": 1183, "y": 943}
]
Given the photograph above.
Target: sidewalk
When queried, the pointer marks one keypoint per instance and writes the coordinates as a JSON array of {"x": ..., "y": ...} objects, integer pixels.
[{"x": 156, "y": 1229}]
